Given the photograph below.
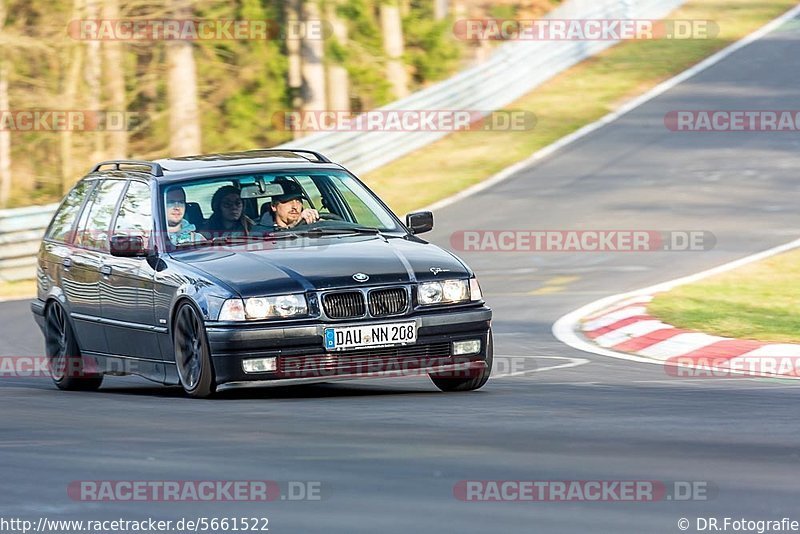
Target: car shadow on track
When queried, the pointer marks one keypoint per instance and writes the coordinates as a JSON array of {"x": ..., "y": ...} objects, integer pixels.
[{"x": 311, "y": 391}]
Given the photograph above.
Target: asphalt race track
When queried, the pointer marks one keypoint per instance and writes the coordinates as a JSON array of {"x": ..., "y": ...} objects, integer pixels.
[{"x": 388, "y": 453}]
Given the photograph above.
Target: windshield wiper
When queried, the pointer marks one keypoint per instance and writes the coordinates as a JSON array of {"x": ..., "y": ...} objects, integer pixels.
[
  {"x": 239, "y": 239},
  {"x": 327, "y": 230}
]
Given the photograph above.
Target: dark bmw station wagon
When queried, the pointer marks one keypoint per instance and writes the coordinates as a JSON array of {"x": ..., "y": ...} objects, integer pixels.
[{"x": 267, "y": 267}]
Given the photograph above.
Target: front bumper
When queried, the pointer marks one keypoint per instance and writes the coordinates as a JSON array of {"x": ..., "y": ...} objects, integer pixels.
[
  {"x": 37, "y": 308},
  {"x": 301, "y": 357}
]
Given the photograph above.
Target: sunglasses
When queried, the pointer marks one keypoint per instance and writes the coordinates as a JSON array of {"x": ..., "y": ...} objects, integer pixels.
[
  {"x": 232, "y": 204},
  {"x": 176, "y": 203}
]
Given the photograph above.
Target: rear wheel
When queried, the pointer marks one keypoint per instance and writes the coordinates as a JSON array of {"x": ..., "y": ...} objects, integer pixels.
[
  {"x": 192, "y": 354},
  {"x": 67, "y": 367},
  {"x": 475, "y": 379}
]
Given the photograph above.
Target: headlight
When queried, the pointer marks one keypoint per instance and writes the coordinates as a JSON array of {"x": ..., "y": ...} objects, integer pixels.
[
  {"x": 444, "y": 292},
  {"x": 253, "y": 309}
]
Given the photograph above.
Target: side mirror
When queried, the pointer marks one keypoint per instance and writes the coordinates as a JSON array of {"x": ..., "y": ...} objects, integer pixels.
[
  {"x": 128, "y": 246},
  {"x": 420, "y": 222}
]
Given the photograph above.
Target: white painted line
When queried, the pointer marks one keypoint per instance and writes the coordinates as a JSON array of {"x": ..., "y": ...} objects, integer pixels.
[
  {"x": 611, "y": 117},
  {"x": 613, "y": 317},
  {"x": 573, "y": 362},
  {"x": 626, "y": 333}
]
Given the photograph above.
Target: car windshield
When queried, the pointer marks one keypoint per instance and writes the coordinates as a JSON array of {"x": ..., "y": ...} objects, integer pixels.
[{"x": 272, "y": 205}]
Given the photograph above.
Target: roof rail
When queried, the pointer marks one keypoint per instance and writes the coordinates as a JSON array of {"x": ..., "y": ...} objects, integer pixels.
[
  {"x": 320, "y": 158},
  {"x": 155, "y": 168}
]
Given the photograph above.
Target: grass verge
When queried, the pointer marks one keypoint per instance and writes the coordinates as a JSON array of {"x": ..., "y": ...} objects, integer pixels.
[
  {"x": 17, "y": 290},
  {"x": 577, "y": 97},
  {"x": 760, "y": 301}
]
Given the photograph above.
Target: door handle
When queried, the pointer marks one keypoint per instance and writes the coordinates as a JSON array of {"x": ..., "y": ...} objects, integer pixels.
[
  {"x": 67, "y": 263},
  {"x": 105, "y": 270}
]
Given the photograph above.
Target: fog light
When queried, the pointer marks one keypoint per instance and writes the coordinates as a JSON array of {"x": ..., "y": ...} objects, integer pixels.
[
  {"x": 260, "y": 365},
  {"x": 460, "y": 348}
]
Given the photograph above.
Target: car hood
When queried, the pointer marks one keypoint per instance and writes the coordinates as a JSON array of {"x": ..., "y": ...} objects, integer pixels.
[{"x": 308, "y": 264}]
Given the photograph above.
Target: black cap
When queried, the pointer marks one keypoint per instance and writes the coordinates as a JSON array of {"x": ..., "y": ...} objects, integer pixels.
[{"x": 291, "y": 191}]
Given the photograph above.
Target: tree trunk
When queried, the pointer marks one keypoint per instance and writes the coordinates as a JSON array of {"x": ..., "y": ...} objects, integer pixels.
[
  {"x": 313, "y": 55},
  {"x": 295, "y": 73},
  {"x": 114, "y": 77},
  {"x": 392, "y": 27},
  {"x": 440, "y": 9},
  {"x": 184, "y": 119},
  {"x": 338, "y": 81},
  {"x": 92, "y": 77},
  {"x": 75, "y": 53},
  {"x": 5, "y": 135},
  {"x": 5, "y": 138}
]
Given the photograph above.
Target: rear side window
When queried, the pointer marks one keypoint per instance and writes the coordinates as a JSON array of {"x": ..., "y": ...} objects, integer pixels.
[
  {"x": 96, "y": 218},
  {"x": 64, "y": 219}
]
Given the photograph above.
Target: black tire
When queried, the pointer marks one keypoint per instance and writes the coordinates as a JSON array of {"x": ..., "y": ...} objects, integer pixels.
[
  {"x": 192, "y": 353},
  {"x": 68, "y": 368},
  {"x": 475, "y": 379}
]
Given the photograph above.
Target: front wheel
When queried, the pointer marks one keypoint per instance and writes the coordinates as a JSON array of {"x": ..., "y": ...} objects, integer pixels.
[
  {"x": 474, "y": 379},
  {"x": 192, "y": 354},
  {"x": 67, "y": 366}
]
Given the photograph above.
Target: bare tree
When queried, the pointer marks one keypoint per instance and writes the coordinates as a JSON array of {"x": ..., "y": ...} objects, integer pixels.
[
  {"x": 92, "y": 76},
  {"x": 5, "y": 135},
  {"x": 440, "y": 9},
  {"x": 393, "y": 45},
  {"x": 5, "y": 140},
  {"x": 295, "y": 62},
  {"x": 338, "y": 80},
  {"x": 69, "y": 92},
  {"x": 184, "y": 119},
  {"x": 114, "y": 79},
  {"x": 313, "y": 55}
]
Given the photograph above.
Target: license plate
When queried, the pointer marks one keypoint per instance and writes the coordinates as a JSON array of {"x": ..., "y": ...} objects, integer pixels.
[{"x": 379, "y": 335}]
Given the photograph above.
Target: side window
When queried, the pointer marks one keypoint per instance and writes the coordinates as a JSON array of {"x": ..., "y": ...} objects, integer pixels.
[
  {"x": 96, "y": 219},
  {"x": 64, "y": 219},
  {"x": 135, "y": 213}
]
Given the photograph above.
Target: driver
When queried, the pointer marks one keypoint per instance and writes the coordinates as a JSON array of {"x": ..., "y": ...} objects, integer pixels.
[{"x": 287, "y": 209}]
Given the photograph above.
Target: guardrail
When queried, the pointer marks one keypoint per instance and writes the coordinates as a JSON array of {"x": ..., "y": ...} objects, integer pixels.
[{"x": 513, "y": 70}]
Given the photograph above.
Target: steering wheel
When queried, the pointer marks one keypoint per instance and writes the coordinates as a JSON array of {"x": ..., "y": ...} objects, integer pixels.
[{"x": 330, "y": 217}]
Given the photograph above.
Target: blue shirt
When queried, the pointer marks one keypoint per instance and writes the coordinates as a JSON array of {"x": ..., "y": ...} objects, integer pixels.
[{"x": 186, "y": 234}]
